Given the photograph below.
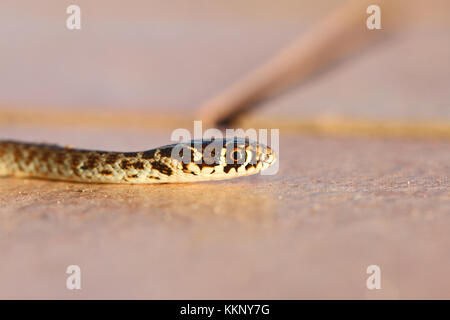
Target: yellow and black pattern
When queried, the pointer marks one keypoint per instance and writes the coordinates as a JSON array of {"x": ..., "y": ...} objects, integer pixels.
[{"x": 197, "y": 160}]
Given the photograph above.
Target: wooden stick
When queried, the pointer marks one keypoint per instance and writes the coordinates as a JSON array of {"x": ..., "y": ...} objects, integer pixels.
[{"x": 331, "y": 39}]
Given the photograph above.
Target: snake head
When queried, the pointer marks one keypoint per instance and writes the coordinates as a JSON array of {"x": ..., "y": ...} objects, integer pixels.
[
  {"x": 223, "y": 157},
  {"x": 246, "y": 156}
]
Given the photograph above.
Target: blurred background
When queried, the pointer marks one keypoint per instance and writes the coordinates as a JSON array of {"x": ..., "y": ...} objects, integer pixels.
[{"x": 151, "y": 64}]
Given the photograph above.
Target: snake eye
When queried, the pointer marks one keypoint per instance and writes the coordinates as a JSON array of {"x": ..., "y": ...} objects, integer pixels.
[{"x": 237, "y": 156}]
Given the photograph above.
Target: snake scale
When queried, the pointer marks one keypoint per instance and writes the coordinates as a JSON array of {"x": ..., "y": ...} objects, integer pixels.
[{"x": 197, "y": 160}]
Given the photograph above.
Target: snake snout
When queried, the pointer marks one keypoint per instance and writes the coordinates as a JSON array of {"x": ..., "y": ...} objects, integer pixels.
[{"x": 268, "y": 156}]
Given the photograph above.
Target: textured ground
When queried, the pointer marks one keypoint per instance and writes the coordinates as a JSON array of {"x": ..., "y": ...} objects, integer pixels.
[{"x": 335, "y": 207}]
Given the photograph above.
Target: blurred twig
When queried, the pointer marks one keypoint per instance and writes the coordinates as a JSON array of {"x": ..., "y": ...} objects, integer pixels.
[{"x": 334, "y": 37}]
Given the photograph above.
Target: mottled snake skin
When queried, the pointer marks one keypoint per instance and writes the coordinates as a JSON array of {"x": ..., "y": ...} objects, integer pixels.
[{"x": 238, "y": 157}]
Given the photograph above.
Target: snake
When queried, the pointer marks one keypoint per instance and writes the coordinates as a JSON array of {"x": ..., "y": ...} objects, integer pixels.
[{"x": 192, "y": 161}]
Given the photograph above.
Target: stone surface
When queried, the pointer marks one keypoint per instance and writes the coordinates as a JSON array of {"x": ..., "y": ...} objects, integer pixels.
[{"x": 335, "y": 207}]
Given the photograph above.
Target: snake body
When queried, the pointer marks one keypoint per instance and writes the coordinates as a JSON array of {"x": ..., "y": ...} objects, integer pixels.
[{"x": 197, "y": 160}]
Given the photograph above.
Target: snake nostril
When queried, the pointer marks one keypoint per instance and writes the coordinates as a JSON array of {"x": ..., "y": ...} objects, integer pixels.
[{"x": 263, "y": 157}]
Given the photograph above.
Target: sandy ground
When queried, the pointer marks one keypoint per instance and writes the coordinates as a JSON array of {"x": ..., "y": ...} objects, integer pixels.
[{"x": 335, "y": 207}]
